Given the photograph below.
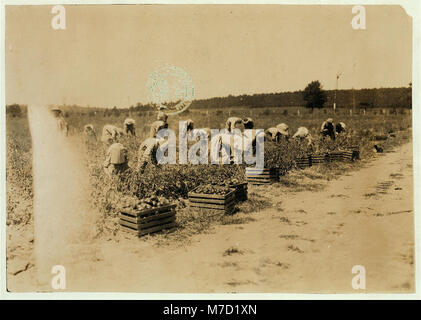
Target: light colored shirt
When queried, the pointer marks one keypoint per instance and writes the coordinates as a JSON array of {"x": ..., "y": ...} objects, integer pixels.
[
  {"x": 272, "y": 133},
  {"x": 129, "y": 121},
  {"x": 116, "y": 154},
  {"x": 110, "y": 131},
  {"x": 232, "y": 122},
  {"x": 155, "y": 127},
  {"x": 283, "y": 129},
  {"x": 302, "y": 132}
]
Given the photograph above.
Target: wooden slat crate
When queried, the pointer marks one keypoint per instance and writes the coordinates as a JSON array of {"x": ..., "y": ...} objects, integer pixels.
[
  {"x": 350, "y": 155},
  {"x": 347, "y": 155},
  {"x": 318, "y": 159},
  {"x": 262, "y": 176},
  {"x": 213, "y": 202},
  {"x": 355, "y": 152},
  {"x": 303, "y": 162},
  {"x": 335, "y": 156},
  {"x": 240, "y": 191},
  {"x": 148, "y": 221}
]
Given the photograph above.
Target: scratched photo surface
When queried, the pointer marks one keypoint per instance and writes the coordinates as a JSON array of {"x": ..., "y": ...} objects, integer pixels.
[{"x": 209, "y": 149}]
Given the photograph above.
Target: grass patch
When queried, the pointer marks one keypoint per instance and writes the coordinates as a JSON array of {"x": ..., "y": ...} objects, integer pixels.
[
  {"x": 289, "y": 236},
  {"x": 255, "y": 203},
  {"x": 236, "y": 219},
  {"x": 231, "y": 251},
  {"x": 295, "y": 249}
]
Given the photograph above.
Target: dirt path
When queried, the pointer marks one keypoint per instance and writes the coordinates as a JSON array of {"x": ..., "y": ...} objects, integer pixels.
[{"x": 307, "y": 242}]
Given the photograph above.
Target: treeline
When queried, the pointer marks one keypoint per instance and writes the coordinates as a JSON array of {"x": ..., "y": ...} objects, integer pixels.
[
  {"x": 367, "y": 98},
  {"x": 362, "y": 98}
]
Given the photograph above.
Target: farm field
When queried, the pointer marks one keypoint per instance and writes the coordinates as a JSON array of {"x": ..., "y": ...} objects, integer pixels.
[{"x": 261, "y": 248}]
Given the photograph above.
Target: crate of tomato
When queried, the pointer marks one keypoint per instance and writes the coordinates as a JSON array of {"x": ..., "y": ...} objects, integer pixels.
[
  {"x": 352, "y": 153},
  {"x": 148, "y": 216},
  {"x": 211, "y": 197},
  {"x": 262, "y": 175},
  {"x": 303, "y": 162}
]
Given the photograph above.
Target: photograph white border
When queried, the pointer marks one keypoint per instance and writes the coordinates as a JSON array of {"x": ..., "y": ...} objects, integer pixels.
[{"x": 412, "y": 8}]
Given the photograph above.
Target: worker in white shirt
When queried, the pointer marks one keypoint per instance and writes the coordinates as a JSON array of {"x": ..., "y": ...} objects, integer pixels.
[
  {"x": 303, "y": 134},
  {"x": 283, "y": 130},
  {"x": 156, "y": 126},
  {"x": 232, "y": 123},
  {"x": 116, "y": 160},
  {"x": 272, "y": 134},
  {"x": 148, "y": 149},
  {"x": 110, "y": 133}
]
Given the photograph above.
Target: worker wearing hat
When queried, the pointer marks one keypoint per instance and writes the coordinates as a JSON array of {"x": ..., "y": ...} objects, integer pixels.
[
  {"x": 248, "y": 123},
  {"x": 62, "y": 125},
  {"x": 129, "y": 126},
  {"x": 190, "y": 125},
  {"x": 283, "y": 130},
  {"x": 162, "y": 115},
  {"x": 89, "y": 132},
  {"x": 148, "y": 150},
  {"x": 232, "y": 122},
  {"x": 272, "y": 134},
  {"x": 328, "y": 129},
  {"x": 110, "y": 133},
  {"x": 303, "y": 134},
  {"x": 249, "y": 136},
  {"x": 116, "y": 160},
  {"x": 156, "y": 126}
]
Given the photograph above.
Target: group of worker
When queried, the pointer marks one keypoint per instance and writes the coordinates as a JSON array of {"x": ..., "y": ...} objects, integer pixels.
[
  {"x": 117, "y": 156},
  {"x": 328, "y": 129},
  {"x": 117, "y": 161}
]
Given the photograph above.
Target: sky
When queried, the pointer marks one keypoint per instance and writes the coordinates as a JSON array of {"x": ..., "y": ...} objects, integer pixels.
[{"x": 106, "y": 54}]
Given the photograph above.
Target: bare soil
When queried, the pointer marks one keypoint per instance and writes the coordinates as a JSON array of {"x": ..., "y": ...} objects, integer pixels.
[{"x": 307, "y": 242}]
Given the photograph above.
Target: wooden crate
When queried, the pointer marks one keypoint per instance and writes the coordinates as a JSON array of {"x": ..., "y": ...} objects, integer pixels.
[
  {"x": 350, "y": 155},
  {"x": 213, "y": 202},
  {"x": 142, "y": 222},
  {"x": 240, "y": 191},
  {"x": 303, "y": 162},
  {"x": 319, "y": 158},
  {"x": 262, "y": 176},
  {"x": 345, "y": 155},
  {"x": 355, "y": 152},
  {"x": 335, "y": 156}
]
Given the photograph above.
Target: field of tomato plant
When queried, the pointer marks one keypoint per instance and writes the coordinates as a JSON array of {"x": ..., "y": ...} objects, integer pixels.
[{"x": 173, "y": 182}]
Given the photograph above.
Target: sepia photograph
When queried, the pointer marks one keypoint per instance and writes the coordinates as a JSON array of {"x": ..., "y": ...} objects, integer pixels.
[{"x": 209, "y": 148}]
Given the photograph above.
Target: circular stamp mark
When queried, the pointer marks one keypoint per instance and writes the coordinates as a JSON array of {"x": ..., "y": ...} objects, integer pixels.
[{"x": 171, "y": 88}]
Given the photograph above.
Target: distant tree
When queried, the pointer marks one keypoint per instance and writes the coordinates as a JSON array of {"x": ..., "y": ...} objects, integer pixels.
[
  {"x": 116, "y": 112},
  {"x": 314, "y": 96}
]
